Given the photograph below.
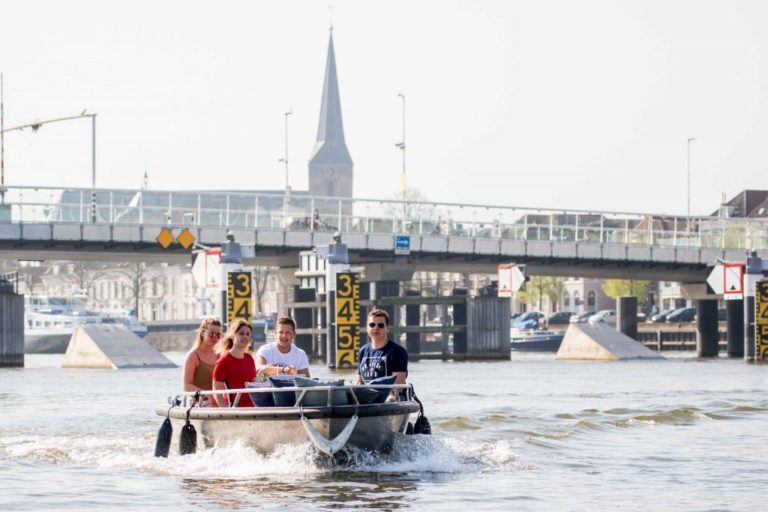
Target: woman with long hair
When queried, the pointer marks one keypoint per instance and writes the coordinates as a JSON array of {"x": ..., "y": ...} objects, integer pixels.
[
  {"x": 235, "y": 366},
  {"x": 198, "y": 365}
]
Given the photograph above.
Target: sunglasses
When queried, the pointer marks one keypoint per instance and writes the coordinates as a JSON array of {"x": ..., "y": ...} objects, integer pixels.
[
  {"x": 380, "y": 325},
  {"x": 214, "y": 334}
]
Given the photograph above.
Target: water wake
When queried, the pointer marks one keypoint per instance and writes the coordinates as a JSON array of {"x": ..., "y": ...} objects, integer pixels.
[{"x": 411, "y": 454}]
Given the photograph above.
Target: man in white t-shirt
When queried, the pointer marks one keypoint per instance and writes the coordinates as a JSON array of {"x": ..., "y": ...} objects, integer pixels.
[{"x": 282, "y": 356}]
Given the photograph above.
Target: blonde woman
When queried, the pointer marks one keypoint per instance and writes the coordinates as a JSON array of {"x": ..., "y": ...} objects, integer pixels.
[
  {"x": 236, "y": 366},
  {"x": 201, "y": 359}
]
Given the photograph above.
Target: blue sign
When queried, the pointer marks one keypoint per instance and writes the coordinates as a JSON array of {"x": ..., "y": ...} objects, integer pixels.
[{"x": 402, "y": 244}]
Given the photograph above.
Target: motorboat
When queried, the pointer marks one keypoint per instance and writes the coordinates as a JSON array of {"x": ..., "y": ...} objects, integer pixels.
[
  {"x": 339, "y": 420},
  {"x": 49, "y": 322},
  {"x": 541, "y": 341}
]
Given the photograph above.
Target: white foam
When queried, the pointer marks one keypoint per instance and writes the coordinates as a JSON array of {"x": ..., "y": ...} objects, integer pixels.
[{"x": 418, "y": 453}]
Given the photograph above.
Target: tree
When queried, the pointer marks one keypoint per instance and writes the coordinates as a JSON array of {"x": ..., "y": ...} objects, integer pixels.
[
  {"x": 614, "y": 288},
  {"x": 138, "y": 276},
  {"x": 539, "y": 287},
  {"x": 261, "y": 276}
]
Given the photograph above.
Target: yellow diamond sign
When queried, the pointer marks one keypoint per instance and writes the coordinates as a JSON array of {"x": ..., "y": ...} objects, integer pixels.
[
  {"x": 165, "y": 238},
  {"x": 185, "y": 238}
]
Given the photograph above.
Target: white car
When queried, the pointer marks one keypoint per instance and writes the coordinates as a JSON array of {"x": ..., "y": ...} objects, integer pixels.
[{"x": 606, "y": 316}]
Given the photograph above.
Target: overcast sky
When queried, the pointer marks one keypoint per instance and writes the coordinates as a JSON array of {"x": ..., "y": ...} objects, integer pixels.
[{"x": 553, "y": 104}]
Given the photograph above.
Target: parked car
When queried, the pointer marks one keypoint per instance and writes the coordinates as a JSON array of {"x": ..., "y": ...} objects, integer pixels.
[
  {"x": 606, "y": 316},
  {"x": 560, "y": 318},
  {"x": 530, "y": 320},
  {"x": 581, "y": 317},
  {"x": 661, "y": 316},
  {"x": 682, "y": 315},
  {"x": 641, "y": 317}
]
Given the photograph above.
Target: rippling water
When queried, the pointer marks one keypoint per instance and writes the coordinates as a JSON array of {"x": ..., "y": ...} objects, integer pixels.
[{"x": 530, "y": 434}]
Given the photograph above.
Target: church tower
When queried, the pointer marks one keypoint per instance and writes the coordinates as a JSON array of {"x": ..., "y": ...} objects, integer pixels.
[{"x": 330, "y": 166}]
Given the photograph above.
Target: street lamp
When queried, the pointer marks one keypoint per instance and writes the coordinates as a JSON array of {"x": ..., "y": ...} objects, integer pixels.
[
  {"x": 688, "y": 211},
  {"x": 285, "y": 160},
  {"x": 36, "y": 126},
  {"x": 401, "y": 145}
]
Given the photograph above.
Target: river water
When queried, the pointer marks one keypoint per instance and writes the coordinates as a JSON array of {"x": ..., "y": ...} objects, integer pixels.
[{"x": 532, "y": 433}]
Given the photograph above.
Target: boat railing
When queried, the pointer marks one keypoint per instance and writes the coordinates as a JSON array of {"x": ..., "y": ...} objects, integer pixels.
[{"x": 192, "y": 398}]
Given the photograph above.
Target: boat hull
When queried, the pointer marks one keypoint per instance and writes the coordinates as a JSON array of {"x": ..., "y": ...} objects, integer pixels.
[{"x": 265, "y": 428}]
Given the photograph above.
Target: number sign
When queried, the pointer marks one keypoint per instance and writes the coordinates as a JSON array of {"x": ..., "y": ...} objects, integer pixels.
[
  {"x": 239, "y": 301},
  {"x": 347, "y": 319},
  {"x": 761, "y": 321}
]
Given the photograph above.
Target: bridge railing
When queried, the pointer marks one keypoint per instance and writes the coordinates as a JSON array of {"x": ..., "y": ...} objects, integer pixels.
[{"x": 297, "y": 212}]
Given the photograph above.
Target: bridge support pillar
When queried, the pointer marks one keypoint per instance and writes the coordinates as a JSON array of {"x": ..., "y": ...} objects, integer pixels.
[
  {"x": 707, "y": 336},
  {"x": 752, "y": 273},
  {"x": 460, "y": 318},
  {"x": 626, "y": 316},
  {"x": 11, "y": 326},
  {"x": 413, "y": 319},
  {"x": 735, "y": 327},
  {"x": 303, "y": 318},
  {"x": 389, "y": 289},
  {"x": 322, "y": 322}
]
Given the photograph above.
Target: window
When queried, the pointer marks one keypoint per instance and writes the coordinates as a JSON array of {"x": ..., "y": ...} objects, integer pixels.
[
  {"x": 566, "y": 299},
  {"x": 576, "y": 299},
  {"x": 591, "y": 299}
]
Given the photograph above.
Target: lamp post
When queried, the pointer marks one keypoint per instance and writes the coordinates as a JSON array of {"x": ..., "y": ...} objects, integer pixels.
[
  {"x": 688, "y": 209},
  {"x": 401, "y": 145},
  {"x": 285, "y": 159},
  {"x": 36, "y": 126}
]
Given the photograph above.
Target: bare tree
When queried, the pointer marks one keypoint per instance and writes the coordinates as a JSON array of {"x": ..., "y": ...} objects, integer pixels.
[{"x": 261, "y": 276}]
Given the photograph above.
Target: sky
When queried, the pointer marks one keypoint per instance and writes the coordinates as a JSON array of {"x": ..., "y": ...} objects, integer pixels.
[{"x": 584, "y": 105}]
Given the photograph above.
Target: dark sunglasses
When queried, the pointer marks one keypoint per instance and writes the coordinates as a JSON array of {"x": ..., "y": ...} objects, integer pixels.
[
  {"x": 380, "y": 325},
  {"x": 214, "y": 334}
]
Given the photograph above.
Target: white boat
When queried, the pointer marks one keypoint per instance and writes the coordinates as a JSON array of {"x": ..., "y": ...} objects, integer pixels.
[
  {"x": 331, "y": 428},
  {"x": 49, "y": 322}
]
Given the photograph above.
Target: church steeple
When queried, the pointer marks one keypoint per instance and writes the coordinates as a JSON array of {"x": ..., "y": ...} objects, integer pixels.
[{"x": 330, "y": 166}]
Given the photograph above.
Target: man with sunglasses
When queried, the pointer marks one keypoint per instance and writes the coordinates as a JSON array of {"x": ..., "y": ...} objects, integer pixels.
[{"x": 381, "y": 357}]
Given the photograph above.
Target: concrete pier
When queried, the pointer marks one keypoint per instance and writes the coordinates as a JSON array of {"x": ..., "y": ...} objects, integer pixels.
[
  {"x": 460, "y": 318},
  {"x": 735, "y": 327},
  {"x": 626, "y": 316},
  {"x": 11, "y": 326},
  {"x": 707, "y": 341},
  {"x": 413, "y": 319},
  {"x": 303, "y": 317}
]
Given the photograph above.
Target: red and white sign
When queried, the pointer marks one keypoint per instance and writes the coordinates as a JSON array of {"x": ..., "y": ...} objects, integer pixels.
[
  {"x": 733, "y": 281},
  {"x": 207, "y": 269},
  {"x": 505, "y": 280},
  {"x": 511, "y": 279},
  {"x": 727, "y": 279}
]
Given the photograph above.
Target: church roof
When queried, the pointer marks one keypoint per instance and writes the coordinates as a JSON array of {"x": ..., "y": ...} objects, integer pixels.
[{"x": 330, "y": 147}]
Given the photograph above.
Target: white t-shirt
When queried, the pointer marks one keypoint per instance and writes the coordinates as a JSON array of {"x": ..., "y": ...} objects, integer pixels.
[{"x": 296, "y": 357}]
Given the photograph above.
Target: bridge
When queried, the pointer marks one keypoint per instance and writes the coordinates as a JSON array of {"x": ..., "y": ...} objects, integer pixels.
[{"x": 38, "y": 223}]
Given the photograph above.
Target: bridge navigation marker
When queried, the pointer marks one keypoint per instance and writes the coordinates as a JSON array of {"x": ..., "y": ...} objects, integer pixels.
[
  {"x": 165, "y": 238},
  {"x": 727, "y": 279},
  {"x": 185, "y": 238},
  {"x": 511, "y": 279}
]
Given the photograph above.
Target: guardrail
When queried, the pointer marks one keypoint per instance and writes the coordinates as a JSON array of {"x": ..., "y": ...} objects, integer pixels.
[{"x": 243, "y": 210}]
